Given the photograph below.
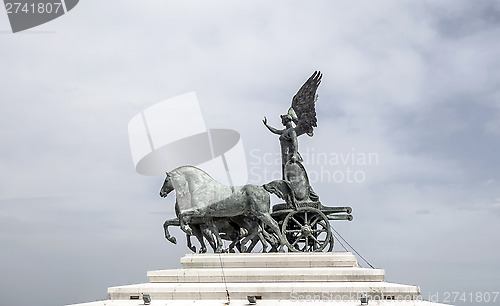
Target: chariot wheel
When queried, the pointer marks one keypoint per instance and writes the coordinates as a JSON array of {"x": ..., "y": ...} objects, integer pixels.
[
  {"x": 330, "y": 244},
  {"x": 306, "y": 230}
]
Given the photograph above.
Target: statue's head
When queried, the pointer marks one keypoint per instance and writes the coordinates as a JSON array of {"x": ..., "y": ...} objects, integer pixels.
[
  {"x": 285, "y": 119},
  {"x": 167, "y": 186}
]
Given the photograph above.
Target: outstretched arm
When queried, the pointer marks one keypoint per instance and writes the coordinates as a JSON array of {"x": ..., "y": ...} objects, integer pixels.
[{"x": 273, "y": 130}]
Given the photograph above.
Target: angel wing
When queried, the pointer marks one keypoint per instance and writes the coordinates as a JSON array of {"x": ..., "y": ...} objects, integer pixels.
[{"x": 303, "y": 109}]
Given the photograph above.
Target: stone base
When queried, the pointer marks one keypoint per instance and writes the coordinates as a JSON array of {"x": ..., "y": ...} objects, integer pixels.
[
  {"x": 274, "y": 278},
  {"x": 259, "y": 303}
]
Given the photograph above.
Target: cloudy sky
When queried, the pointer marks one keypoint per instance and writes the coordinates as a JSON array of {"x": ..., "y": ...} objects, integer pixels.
[{"x": 414, "y": 84}]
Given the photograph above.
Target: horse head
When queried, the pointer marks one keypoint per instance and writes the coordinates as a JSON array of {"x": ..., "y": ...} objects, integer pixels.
[{"x": 167, "y": 186}]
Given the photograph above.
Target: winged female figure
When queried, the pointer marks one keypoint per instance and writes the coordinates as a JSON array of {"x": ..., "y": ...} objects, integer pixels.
[{"x": 302, "y": 113}]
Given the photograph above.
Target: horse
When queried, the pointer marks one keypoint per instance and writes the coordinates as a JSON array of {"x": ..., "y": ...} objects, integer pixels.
[
  {"x": 238, "y": 230},
  {"x": 199, "y": 196},
  {"x": 201, "y": 229},
  {"x": 198, "y": 228}
]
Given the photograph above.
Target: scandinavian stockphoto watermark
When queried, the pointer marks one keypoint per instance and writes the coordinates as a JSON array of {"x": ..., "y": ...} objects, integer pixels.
[
  {"x": 330, "y": 297},
  {"x": 172, "y": 133},
  {"x": 27, "y": 14},
  {"x": 331, "y": 167},
  {"x": 455, "y": 297}
]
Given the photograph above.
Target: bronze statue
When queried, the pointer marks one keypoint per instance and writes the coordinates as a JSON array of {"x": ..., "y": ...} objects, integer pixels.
[
  {"x": 303, "y": 114},
  {"x": 242, "y": 214},
  {"x": 201, "y": 199}
]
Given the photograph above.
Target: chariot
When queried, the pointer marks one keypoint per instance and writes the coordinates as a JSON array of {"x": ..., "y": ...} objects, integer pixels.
[
  {"x": 242, "y": 214},
  {"x": 303, "y": 220}
]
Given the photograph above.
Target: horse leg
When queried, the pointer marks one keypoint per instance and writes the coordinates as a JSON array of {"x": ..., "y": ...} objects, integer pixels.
[
  {"x": 253, "y": 244},
  {"x": 271, "y": 238},
  {"x": 255, "y": 237},
  {"x": 215, "y": 231},
  {"x": 207, "y": 233},
  {"x": 235, "y": 237},
  {"x": 259, "y": 204},
  {"x": 245, "y": 231},
  {"x": 243, "y": 247},
  {"x": 234, "y": 240},
  {"x": 235, "y": 232},
  {"x": 197, "y": 231},
  {"x": 247, "y": 238},
  {"x": 263, "y": 241},
  {"x": 171, "y": 222},
  {"x": 190, "y": 244},
  {"x": 269, "y": 221},
  {"x": 184, "y": 224},
  {"x": 268, "y": 239}
]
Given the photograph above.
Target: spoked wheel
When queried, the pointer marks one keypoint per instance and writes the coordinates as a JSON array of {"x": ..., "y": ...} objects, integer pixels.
[
  {"x": 306, "y": 230},
  {"x": 330, "y": 244}
]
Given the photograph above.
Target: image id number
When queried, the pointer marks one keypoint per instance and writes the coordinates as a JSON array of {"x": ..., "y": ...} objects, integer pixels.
[
  {"x": 473, "y": 297},
  {"x": 33, "y": 8}
]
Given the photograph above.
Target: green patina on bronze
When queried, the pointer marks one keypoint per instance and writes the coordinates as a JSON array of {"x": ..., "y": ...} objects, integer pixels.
[{"x": 243, "y": 214}]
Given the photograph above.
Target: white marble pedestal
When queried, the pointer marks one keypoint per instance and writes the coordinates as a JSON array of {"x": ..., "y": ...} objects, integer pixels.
[{"x": 274, "y": 278}]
